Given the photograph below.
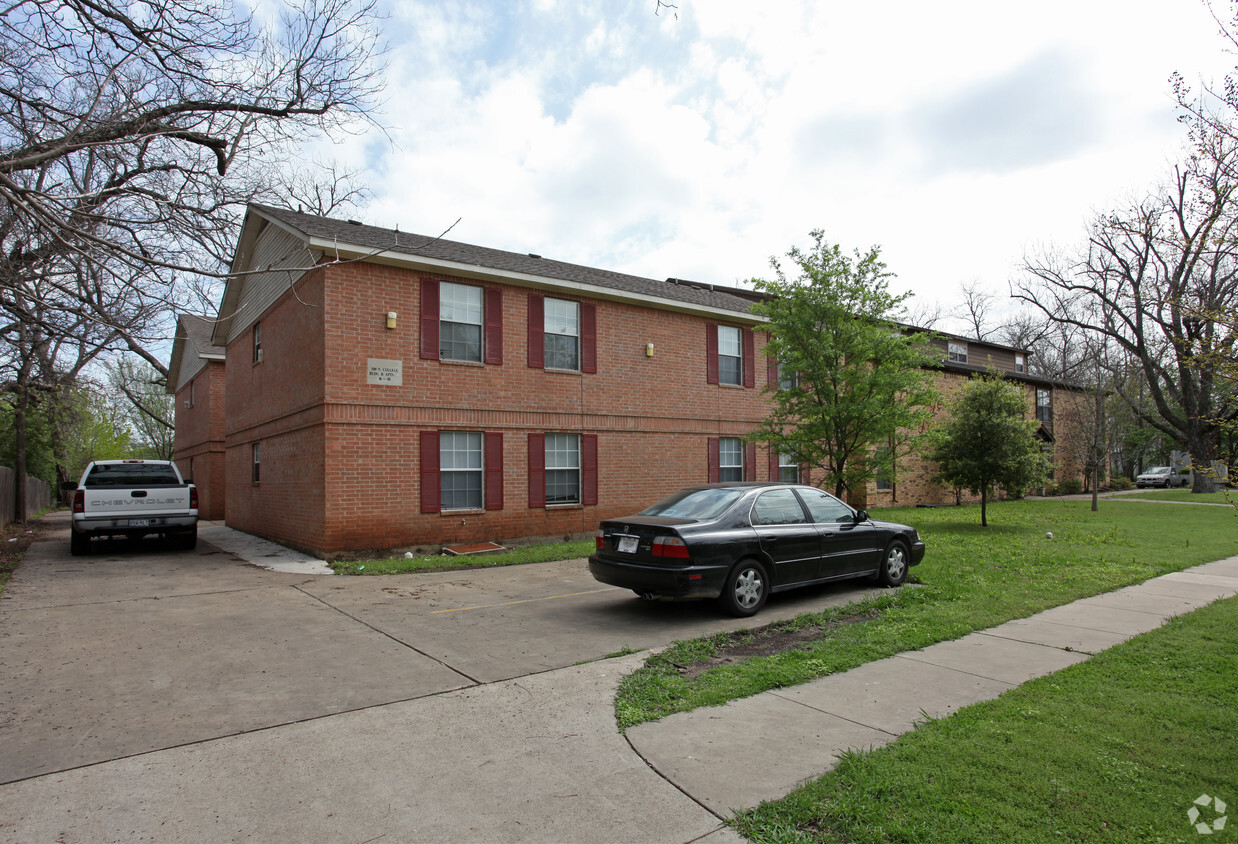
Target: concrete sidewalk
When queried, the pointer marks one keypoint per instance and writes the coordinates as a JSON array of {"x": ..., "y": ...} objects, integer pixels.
[
  {"x": 261, "y": 552},
  {"x": 760, "y": 748}
]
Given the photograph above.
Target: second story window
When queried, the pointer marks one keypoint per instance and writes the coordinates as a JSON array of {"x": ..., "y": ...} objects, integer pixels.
[
  {"x": 562, "y": 334},
  {"x": 257, "y": 342},
  {"x": 1044, "y": 407},
  {"x": 1020, "y": 363},
  {"x": 460, "y": 322},
  {"x": 958, "y": 352},
  {"x": 730, "y": 355}
]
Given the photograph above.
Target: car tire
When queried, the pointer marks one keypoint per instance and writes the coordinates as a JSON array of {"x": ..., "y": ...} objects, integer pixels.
[
  {"x": 745, "y": 589},
  {"x": 188, "y": 540},
  {"x": 79, "y": 543},
  {"x": 894, "y": 564}
]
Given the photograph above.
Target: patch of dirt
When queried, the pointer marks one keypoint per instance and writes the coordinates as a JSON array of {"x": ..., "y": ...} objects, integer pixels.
[
  {"x": 769, "y": 640},
  {"x": 15, "y": 540}
]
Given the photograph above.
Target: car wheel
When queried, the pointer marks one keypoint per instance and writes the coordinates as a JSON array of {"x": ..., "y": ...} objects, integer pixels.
[
  {"x": 745, "y": 590},
  {"x": 79, "y": 543},
  {"x": 188, "y": 540},
  {"x": 894, "y": 565}
]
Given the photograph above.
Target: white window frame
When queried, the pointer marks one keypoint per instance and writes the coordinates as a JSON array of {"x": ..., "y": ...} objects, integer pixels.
[
  {"x": 788, "y": 466},
  {"x": 461, "y": 455},
  {"x": 461, "y": 305},
  {"x": 731, "y": 347},
  {"x": 256, "y": 463},
  {"x": 561, "y": 318},
  {"x": 1020, "y": 363},
  {"x": 957, "y": 351},
  {"x": 730, "y": 448},
  {"x": 562, "y": 468}
]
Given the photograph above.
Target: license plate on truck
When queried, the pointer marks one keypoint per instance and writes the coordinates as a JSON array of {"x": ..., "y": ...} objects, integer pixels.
[
  {"x": 627, "y": 544},
  {"x": 139, "y": 523}
]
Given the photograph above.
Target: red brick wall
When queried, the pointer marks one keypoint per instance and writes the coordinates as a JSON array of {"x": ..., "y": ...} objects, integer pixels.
[{"x": 199, "y": 437}]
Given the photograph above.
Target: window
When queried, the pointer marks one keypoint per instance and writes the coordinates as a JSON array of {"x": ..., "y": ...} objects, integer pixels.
[
  {"x": 257, "y": 463},
  {"x": 958, "y": 352},
  {"x": 824, "y": 507},
  {"x": 562, "y": 330},
  {"x": 460, "y": 470},
  {"x": 884, "y": 474},
  {"x": 730, "y": 355},
  {"x": 562, "y": 469},
  {"x": 778, "y": 507},
  {"x": 460, "y": 322},
  {"x": 788, "y": 469},
  {"x": 1020, "y": 363},
  {"x": 257, "y": 342},
  {"x": 730, "y": 459},
  {"x": 787, "y": 378},
  {"x": 1044, "y": 407}
]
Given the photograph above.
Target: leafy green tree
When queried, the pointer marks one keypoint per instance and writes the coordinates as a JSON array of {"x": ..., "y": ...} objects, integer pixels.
[
  {"x": 855, "y": 393},
  {"x": 988, "y": 441}
]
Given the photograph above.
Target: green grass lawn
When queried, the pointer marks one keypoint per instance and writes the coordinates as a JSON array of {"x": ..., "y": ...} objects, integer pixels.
[
  {"x": 1114, "y": 749},
  {"x": 971, "y": 578},
  {"x": 1229, "y": 496},
  {"x": 439, "y": 562}
]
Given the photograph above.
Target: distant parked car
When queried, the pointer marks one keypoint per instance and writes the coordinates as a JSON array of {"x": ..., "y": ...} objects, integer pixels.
[
  {"x": 1165, "y": 476},
  {"x": 738, "y": 542}
]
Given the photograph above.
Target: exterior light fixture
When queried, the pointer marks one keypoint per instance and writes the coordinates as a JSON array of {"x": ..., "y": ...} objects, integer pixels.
[
  {"x": 391, "y": 315},
  {"x": 649, "y": 350}
]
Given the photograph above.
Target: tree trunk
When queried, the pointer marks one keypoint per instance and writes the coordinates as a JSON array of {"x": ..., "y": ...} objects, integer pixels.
[
  {"x": 984, "y": 505},
  {"x": 1203, "y": 474},
  {"x": 20, "y": 506}
]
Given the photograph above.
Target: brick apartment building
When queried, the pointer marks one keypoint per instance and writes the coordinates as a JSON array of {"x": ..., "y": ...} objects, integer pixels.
[{"x": 384, "y": 390}]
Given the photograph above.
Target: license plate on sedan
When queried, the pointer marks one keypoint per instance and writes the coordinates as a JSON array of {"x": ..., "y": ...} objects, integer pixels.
[
  {"x": 139, "y": 523},
  {"x": 627, "y": 544}
]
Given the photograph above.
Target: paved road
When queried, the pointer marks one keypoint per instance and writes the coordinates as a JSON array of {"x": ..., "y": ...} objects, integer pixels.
[{"x": 190, "y": 695}]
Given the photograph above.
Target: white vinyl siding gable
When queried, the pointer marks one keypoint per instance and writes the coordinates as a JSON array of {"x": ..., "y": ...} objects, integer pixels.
[{"x": 280, "y": 251}]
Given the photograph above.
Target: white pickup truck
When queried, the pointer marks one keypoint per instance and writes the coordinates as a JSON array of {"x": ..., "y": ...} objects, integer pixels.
[{"x": 133, "y": 498}]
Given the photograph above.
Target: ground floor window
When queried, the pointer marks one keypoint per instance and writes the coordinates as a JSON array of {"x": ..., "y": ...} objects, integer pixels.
[
  {"x": 461, "y": 470},
  {"x": 562, "y": 468},
  {"x": 730, "y": 459},
  {"x": 256, "y": 463},
  {"x": 788, "y": 469}
]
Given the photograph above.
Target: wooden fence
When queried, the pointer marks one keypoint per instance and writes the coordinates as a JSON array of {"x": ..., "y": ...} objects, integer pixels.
[{"x": 38, "y": 495}]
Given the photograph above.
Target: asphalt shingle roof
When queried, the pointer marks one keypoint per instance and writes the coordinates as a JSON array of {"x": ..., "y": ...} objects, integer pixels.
[{"x": 376, "y": 238}]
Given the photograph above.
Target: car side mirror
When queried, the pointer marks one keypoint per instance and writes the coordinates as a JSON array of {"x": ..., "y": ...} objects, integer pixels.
[{"x": 861, "y": 516}]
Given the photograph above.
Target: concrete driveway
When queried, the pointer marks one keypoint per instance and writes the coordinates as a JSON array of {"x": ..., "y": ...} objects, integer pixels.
[{"x": 193, "y": 696}]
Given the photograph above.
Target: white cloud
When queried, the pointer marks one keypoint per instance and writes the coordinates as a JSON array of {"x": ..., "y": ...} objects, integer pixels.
[{"x": 955, "y": 135}]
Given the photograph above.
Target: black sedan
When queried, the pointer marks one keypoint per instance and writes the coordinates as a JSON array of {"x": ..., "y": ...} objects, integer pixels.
[{"x": 739, "y": 542}]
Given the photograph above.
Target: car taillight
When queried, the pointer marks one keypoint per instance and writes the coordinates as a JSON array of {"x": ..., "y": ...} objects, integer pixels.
[
  {"x": 79, "y": 501},
  {"x": 193, "y": 498},
  {"x": 670, "y": 546},
  {"x": 599, "y": 541}
]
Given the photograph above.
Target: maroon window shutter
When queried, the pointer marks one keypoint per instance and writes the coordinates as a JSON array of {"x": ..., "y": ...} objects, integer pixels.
[
  {"x": 494, "y": 325},
  {"x": 711, "y": 353},
  {"x": 805, "y": 474},
  {"x": 429, "y": 472},
  {"x": 537, "y": 470},
  {"x": 588, "y": 469},
  {"x": 773, "y": 463},
  {"x": 750, "y": 358},
  {"x": 771, "y": 367},
  {"x": 537, "y": 331},
  {"x": 494, "y": 471},
  {"x": 429, "y": 319},
  {"x": 714, "y": 456},
  {"x": 750, "y": 462},
  {"x": 588, "y": 337}
]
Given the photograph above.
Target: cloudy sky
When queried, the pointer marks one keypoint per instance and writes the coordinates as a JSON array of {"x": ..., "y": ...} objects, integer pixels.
[{"x": 700, "y": 141}]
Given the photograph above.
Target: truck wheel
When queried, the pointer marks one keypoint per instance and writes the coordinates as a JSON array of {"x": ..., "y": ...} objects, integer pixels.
[
  {"x": 79, "y": 543},
  {"x": 188, "y": 540}
]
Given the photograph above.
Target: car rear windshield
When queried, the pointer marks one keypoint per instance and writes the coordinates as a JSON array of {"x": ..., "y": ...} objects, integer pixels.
[
  {"x": 698, "y": 504},
  {"x": 131, "y": 474}
]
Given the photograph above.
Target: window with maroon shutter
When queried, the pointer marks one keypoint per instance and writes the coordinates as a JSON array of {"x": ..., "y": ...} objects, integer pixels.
[
  {"x": 429, "y": 319},
  {"x": 750, "y": 462},
  {"x": 494, "y": 471},
  {"x": 429, "y": 472},
  {"x": 773, "y": 463},
  {"x": 588, "y": 469},
  {"x": 771, "y": 369},
  {"x": 537, "y": 331},
  {"x": 712, "y": 457},
  {"x": 494, "y": 326},
  {"x": 731, "y": 369},
  {"x": 537, "y": 470}
]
